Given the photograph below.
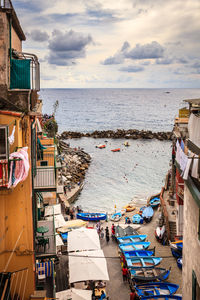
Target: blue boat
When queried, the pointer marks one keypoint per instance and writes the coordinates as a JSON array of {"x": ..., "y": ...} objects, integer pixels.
[
  {"x": 156, "y": 288},
  {"x": 116, "y": 217},
  {"x": 64, "y": 236},
  {"x": 142, "y": 253},
  {"x": 131, "y": 239},
  {"x": 176, "y": 248},
  {"x": 143, "y": 262},
  {"x": 91, "y": 216},
  {"x": 134, "y": 246},
  {"x": 154, "y": 202},
  {"x": 137, "y": 219},
  {"x": 147, "y": 214},
  {"x": 155, "y": 274},
  {"x": 179, "y": 263},
  {"x": 164, "y": 297}
]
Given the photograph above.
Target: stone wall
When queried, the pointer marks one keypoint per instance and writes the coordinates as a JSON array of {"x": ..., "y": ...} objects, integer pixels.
[
  {"x": 4, "y": 46},
  {"x": 191, "y": 248}
]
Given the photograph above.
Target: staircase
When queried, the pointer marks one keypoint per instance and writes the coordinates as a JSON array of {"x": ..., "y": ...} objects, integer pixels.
[{"x": 173, "y": 232}]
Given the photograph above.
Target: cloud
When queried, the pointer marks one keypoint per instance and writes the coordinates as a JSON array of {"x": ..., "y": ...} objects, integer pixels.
[
  {"x": 65, "y": 48},
  {"x": 33, "y": 6},
  {"x": 147, "y": 51},
  {"x": 164, "y": 61},
  {"x": 132, "y": 69},
  {"x": 38, "y": 35}
]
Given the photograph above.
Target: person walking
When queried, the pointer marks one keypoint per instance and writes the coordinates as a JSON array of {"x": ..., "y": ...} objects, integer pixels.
[
  {"x": 107, "y": 234},
  {"x": 102, "y": 233},
  {"x": 124, "y": 273}
]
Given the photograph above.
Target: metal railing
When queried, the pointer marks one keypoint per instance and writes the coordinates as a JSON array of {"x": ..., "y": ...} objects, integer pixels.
[
  {"x": 6, "y": 4},
  {"x": 45, "y": 178},
  {"x": 46, "y": 158}
]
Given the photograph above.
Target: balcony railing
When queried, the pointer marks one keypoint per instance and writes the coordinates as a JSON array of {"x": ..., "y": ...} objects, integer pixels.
[
  {"x": 25, "y": 71},
  {"x": 45, "y": 178}
]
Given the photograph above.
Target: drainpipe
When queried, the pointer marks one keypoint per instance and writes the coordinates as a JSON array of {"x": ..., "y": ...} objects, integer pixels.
[{"x": 10, "y": 44}]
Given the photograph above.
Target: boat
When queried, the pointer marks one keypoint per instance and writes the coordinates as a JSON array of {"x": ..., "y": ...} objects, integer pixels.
[
  {"x": 176, "y": 248},
  {"x": 91, "y": 216},
  {"x": 143, "y": 274},
  {"x": 143, "y": 253},
  {"x": 143, "y": 262},
  {"x": 154, "y": 202},
  {"x": 116, "y": 217},
  {"x": 159, "y": 233},
  {"x": 115, "y": 150},
  {"x": 134, "y": 246},
  {"x": 126, "y": 144},
  {"x": 129, "y": 207},
  {"x": 179, "y": 263},
  {"x": 147, "y": 214},
  {"x": 101, "y": 146},
  {"x": 156, "y": 288},
  {"x": 160, "y": 297},
  {"x": 142, "y": 209},
  {"x": 119, "y": 231},
  {"x": 137, "y": 219},
  {"x": 131, "y": 239}
]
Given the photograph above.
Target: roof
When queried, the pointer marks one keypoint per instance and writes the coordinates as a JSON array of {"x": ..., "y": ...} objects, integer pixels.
[{"x": 193, "y": 101}]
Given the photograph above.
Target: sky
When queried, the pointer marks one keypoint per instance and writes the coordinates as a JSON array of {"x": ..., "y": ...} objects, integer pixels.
[{"x": 113, "y": 43}]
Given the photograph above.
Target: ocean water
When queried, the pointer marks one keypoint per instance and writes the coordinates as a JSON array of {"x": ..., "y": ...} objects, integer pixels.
[{"x": 136, "y": 172}]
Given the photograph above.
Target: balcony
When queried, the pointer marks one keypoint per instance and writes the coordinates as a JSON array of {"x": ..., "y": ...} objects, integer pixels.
[{"x": 45, "y": 178}]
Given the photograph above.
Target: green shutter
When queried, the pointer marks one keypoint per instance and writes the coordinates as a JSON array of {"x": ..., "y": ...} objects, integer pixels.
[{"x": 20, "y": 77}]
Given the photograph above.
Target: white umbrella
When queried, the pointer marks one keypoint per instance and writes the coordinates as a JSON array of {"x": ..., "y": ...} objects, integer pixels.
[
  {"x": 87, "y": 265},
  {"x": 83, "y": 239},
  {"x": 74, "y": 294}
]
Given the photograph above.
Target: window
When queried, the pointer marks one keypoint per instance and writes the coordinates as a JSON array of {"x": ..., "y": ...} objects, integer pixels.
[
  {"x": 195, "y": 287},
  {"x": 3, "y": 142}
]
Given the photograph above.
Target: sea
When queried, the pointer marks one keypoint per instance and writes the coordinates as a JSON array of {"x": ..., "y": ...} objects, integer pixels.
[{"x": 115, "y": 179}]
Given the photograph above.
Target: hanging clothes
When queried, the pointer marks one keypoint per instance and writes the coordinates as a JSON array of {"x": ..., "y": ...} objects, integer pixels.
[
  {"x": 3, "y": 173},
  {"x": 195, "y": 165},
  {"x": 40, "y": 149},
  {"x": 194, "y": 129},
  {"x": 11, "y": 138},
  {"x": 19, "y": 168}
]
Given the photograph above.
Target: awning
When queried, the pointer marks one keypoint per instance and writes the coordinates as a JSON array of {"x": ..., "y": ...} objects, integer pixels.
[
  {"x": 59, "y": 241},
  {"x": 58, "y": 219},
  {"x": 74, "y": 294},
  {"x": 83, "y": 239},
  {"x": 87, "y": 265},
  {"x": 72, "y": 224}
]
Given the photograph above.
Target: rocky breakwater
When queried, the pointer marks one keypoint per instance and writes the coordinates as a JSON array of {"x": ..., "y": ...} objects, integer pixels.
[
  {"x": 73, "y": 165},
  {"x": 120, "y": 133}
]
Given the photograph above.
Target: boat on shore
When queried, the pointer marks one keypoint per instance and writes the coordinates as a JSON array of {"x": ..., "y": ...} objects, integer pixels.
[
  {"x": 129, "y": 207},
  {"x": 147, "y": 214},
  {"x": 116, "y": 217},
  {"x": 180, "y": 263},
  {"x": 134, "y": 246},
  {"x": 91, "y": 216},
  {"x": 143, "y": 262},
  {"x": 131, "y": 239},
  {"x": 176, "y": 248},
  {"x": 115, "y": 150},
  {"x": 137, "y": 219},
  {"x": 138, "y": 253},
  {"x": 160, "y": 297},
  {"x": 154, "y": 202},
  {"x": 142, "y": 274},
  {"x": 156, "y": 288}
]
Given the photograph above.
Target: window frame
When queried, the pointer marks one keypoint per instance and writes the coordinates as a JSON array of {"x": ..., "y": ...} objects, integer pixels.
[{"x": 6, "y": 154}]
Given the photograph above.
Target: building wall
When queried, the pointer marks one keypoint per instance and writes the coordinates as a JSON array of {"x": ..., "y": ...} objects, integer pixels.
[
  {"x": 191, "y": 248},
  {"x": 16, "y": 42},
  {"x": 4, "y": 45},
  {"x": 16, "y": 230}
]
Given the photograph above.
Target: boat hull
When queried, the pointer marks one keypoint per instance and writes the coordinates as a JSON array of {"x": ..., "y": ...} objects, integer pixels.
[
  {"x": 142, "y": 253},
  {"x": 134, "y": 246},
  {"x": 91, "y": 216},
  {"x": 132, "y": 239},
  {"x": 143, "y": 262},
  {"x": 147, "y": 275},
  {"x": 157, "y": 288}
]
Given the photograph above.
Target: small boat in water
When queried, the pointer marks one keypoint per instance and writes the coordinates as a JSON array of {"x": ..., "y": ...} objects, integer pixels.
[
  {"x": 143, "y": 274},
  {"x": 91, "y": 216},
  {"x": 147, "y": 214},
  {"x": 115, "y": 150},
  {"x": 143, "y": 262},
  {"x": 131, "y": 239},
  {"x": 116, "y": 217},
  {"x": 137, "y": 219},
  {"x": 154, "y": 202},
  {"x": 143, "y": 253},
  {"x": 134, "y": 246},
  {"x": 156, "y": 288},
  {"x": 101, "y": 146}
]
